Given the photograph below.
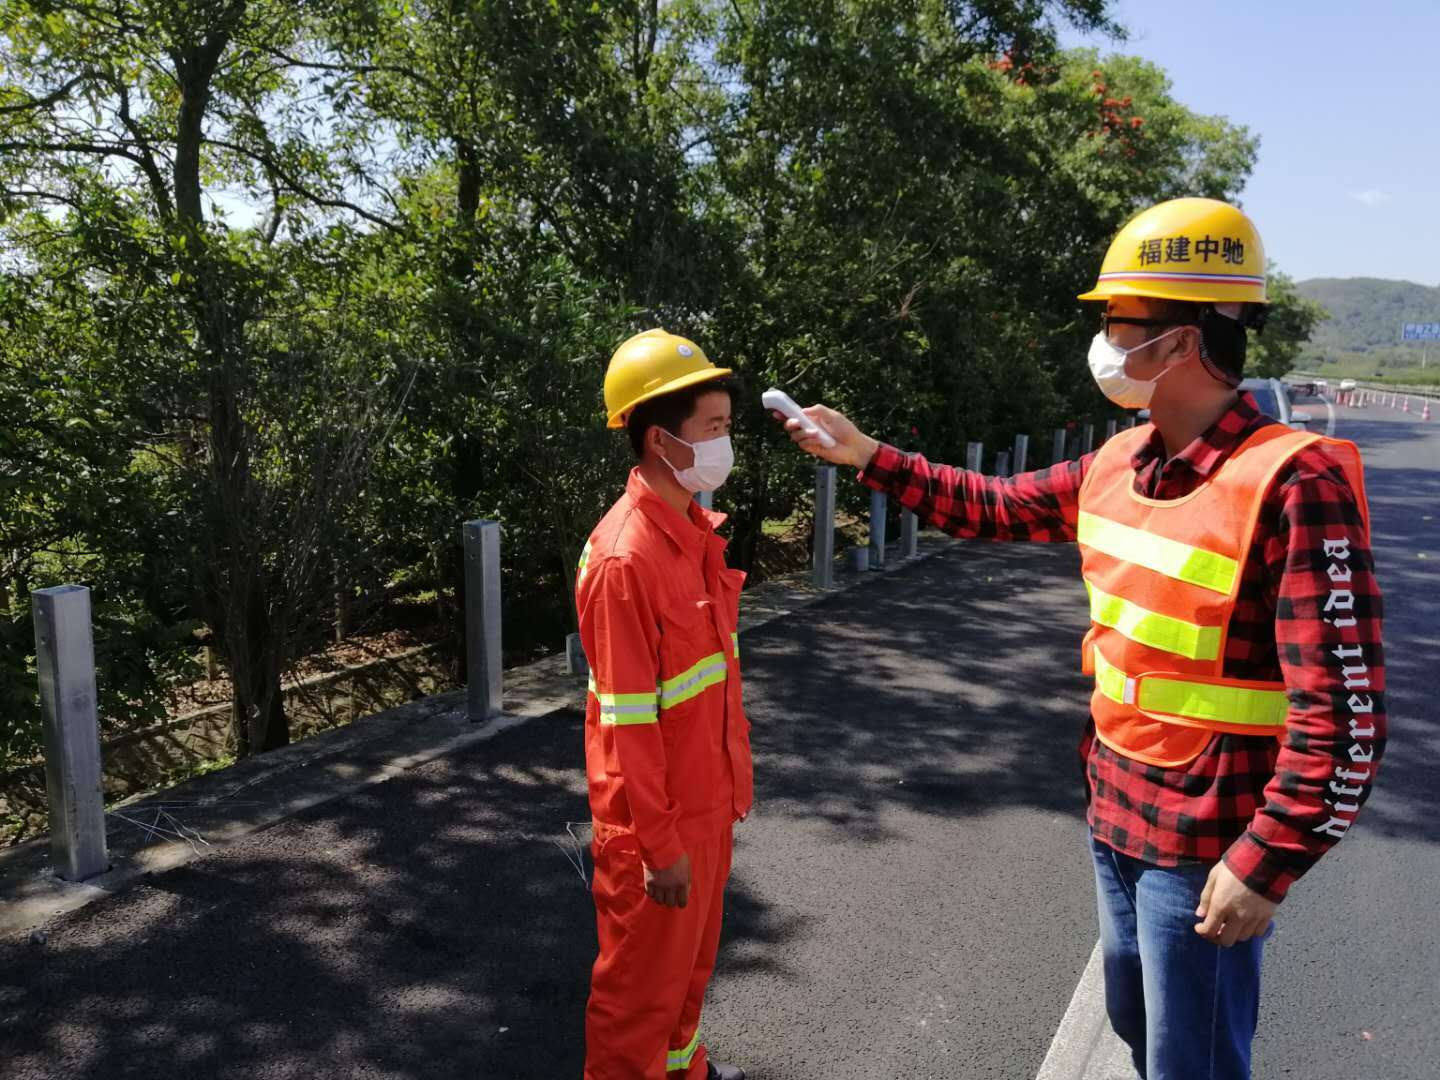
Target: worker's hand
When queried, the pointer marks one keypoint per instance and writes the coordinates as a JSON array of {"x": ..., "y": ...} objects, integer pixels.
[
  {"x": 1231, "y": 911},
  {"x": 852, "y": 446},
  {"x": 671, "y": 886}
]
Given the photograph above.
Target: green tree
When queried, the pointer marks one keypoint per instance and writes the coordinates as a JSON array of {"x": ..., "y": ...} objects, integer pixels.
[{"x": 121, "y": 124}]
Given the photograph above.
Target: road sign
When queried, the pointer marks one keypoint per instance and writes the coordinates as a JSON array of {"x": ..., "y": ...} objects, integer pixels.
[{"x": 1421, "y": 331}]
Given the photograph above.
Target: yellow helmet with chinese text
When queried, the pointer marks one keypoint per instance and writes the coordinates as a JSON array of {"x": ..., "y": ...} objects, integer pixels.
[
  {"x": 1198, "y": 250},
  {"x": 649, "y": 365}
]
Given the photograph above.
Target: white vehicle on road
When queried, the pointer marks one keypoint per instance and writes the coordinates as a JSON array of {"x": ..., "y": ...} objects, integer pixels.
[{"x": 1270, "y": 395}]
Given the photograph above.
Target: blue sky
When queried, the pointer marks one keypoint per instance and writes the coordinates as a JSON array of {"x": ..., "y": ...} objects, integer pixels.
[{"x": 1346, "y": 100}]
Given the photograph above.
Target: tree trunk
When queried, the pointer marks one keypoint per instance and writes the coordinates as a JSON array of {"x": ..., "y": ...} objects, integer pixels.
[
  {"x": 257, "y": 713},
  {"x": 257, "y": 710},
  {"x": 342, "y": 607}
]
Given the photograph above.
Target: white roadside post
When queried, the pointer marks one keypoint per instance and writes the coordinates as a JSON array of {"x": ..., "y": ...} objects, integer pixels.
[
  {"x": 483, "y": 665},
  {"x": 65, "y": 660},
  {"x": 909, "y": 534},
  {"x": 1022, "y": 451},
  {"x": 975, "y": 456},
  {"x": 1057, "y": 447},
  {"x": 824, "y": 542},
  {"x": 878, "y": 503},
  {"x": 575, "y": 661}
]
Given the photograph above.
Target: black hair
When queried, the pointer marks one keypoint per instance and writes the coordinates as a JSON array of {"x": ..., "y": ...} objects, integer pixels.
[
  {"x": 1222, "y": 339},
  {"x": 670, "y": 411}
]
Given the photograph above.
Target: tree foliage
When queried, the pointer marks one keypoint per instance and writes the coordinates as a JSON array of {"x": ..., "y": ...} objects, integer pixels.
[{"x": 292, "y": 290}]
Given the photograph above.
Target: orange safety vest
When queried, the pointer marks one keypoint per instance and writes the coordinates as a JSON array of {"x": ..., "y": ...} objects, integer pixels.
[
  {"x": 1163, "y": 577},
  {"x": 667, "y": 742}
]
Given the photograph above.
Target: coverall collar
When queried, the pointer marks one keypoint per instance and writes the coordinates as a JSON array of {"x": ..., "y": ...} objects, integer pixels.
[{"x": 690, "y": 533}]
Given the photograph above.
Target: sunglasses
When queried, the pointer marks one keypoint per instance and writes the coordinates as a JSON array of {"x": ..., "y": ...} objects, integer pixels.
[{"x": 1107, "y": 320}]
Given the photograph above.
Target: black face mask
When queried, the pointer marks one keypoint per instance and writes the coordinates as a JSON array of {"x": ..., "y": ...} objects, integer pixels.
[{"x": 1222, "y": 345}]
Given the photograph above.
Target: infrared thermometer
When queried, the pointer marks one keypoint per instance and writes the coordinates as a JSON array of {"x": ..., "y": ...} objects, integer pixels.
[{"x": 781, "y": 402}]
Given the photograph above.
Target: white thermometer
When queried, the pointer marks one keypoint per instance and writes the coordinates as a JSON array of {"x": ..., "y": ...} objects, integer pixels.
[{"x": 781, "y": 402}]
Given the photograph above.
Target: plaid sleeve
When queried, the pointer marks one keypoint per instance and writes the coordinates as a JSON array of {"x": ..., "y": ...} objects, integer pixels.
[
  {"x": 1327, "y": 635},
  {"x": 1041, "y": 505}
]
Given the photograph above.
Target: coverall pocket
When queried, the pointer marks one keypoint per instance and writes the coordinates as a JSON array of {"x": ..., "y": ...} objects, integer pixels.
[{"x": 691, "y": 658}]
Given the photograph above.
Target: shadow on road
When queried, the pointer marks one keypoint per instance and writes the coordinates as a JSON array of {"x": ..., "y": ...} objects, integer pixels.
[{"x": 432, "y": 926}]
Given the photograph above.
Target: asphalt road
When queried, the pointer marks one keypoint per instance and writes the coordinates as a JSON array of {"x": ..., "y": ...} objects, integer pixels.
[{"x": 912, "y": 896}]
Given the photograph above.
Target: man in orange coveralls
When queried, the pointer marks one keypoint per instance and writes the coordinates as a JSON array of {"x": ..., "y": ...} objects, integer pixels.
[{"x": 667, "y": 745}]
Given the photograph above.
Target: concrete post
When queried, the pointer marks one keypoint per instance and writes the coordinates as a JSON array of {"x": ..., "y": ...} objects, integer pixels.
[
  {"x": 824, "y": 542},
  {"x": 877, "y": 530},
  {"x": 1134, "y": 420},
  {"x": 575, "y": 662},
  {"x": 1022, "y": 451},
  {"x": 65, "y": 660},
  {"x": 706, "y": 499},
  {"x": 484, "y": 671},
  {"x": 1110, "y": 426},
  {"x": 1002, "y": 463},
  {"x": 909, "y": 534},
  {"x": 1057, "y": 446},
  {"x": 975, "y": 456},
  {"x": 1087, "y": 439}
]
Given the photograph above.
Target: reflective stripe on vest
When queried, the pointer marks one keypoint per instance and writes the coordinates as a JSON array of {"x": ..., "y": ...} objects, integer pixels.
[
  {"x": 625, "y": 709},
  {"x": 1175, "y": 695},
  {"x": 735, "y": 640},
  {"x": 1208, "y": 569},
  {"x": 681, "y": 1059},
  {"x": 1151, "y": 628},
  {"x": 584, "y": 562}
]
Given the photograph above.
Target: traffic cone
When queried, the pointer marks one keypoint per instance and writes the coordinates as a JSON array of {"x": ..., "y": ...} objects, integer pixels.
[
  {"x": 1407, "y": 404},
  {"x": 1425, "y": 415}
]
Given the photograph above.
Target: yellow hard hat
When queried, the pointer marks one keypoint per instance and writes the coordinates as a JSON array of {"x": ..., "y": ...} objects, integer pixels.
[
  {"x": 1199, "y": 250},
  {"x": 651, "y": 364}
]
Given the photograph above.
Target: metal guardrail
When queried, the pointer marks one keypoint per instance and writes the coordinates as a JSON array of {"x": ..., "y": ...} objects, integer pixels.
[
  {"x": 66, "y": 657},
  {"x": 1332, "y": 384}
]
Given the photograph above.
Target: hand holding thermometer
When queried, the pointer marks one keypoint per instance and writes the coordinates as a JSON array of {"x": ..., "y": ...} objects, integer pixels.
[{"x": 781, "y": 402}]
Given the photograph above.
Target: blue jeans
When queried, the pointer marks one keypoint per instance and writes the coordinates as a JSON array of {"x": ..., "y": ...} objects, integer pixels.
[{"x": 1187, "y": 1008}]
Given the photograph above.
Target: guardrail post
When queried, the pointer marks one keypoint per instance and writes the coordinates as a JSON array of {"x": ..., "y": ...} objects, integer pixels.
[
  {"x": 575, "y": 661},
  {"x": 1022, "y": 451},
  {"x": 1087, "y": 439},
  {"x": 1110, "y": 428},
  {"x": 65, "y": 660},
  {"x": 824, "y": 540},
  {"x": 877, "y": 530},
  {"x": 1002, "y": 463},
  {"x": 483, "y": 665},
  {"x": 909, "y": 534},
  {"x": 1057, "y": 447},
  {"x": 975, "y": 456}
]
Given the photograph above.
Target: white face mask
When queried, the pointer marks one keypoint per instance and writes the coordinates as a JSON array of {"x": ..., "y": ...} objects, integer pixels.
[
  {"x": 714, "y": 458},
  {"x": 1107, "y": 364}
]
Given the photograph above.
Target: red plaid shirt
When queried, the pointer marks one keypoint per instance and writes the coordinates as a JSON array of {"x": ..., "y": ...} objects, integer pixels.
[{"x": 1308, "y": 614}]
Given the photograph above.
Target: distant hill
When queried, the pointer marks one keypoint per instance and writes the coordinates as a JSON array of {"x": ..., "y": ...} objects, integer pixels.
[{"x": 1366, "y": 315}]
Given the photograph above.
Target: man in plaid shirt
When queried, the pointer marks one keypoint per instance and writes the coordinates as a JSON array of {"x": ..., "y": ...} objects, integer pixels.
[{"x": 1194, "y": 850}]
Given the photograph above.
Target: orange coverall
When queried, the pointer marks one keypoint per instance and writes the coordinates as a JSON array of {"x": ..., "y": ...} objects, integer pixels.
[{"x": 667, "y": 755}]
